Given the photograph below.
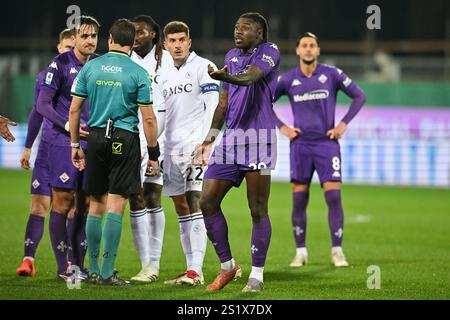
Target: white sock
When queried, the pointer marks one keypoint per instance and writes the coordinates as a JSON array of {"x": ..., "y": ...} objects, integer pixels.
[
  {"x": 29, "y": 258},
  {"x": 139, "y": 226},
  {"x": 157, "y": 223},
  {"x": 199, "y": 240},
  {"x": 257, "y": 273},
  {"x": 337, "y": 250},
  {"x": 302, "y": 251},
  {"x": 185, "y": 232},
  {"x": 228, "y": 265}
]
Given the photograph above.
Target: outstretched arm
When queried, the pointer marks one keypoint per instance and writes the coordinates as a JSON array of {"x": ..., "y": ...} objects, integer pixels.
[{"x": 250, "y": 76}]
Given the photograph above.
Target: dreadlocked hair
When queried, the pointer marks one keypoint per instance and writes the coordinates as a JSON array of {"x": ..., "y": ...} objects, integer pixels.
[{"x": 260, "y": 21}]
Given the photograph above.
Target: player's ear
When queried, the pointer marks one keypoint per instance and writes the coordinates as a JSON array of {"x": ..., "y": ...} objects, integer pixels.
[
  {"x": 190, "y": 43},
  {"x": 110, "y": 40},
  {"x": 297, "y": 50},
  {"x": 164, "y": 44},
  {"x": 260, "y": 34}
]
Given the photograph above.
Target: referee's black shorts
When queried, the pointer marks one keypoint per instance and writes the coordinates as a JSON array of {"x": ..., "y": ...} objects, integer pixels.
[{"x": 113, "y": 165}]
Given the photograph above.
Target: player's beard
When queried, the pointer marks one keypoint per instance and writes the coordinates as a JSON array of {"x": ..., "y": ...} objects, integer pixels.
[
  {"x": 309, "y": 62},
  {"x": 143, "y": 49}
]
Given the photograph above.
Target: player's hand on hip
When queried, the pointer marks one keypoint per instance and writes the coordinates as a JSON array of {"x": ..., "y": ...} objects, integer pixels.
[
  {"x": 220, "y": 74},
  {"x": 338, "y": 132},
  {"x": 25, "y": 159},
  {"x": 200, "y": 155},
  {"x": 152, "y": 168},
  {"x": 83, "y": 133},
  {"x": 78, "y": 159},
  {"x": 289, "y": 132}
]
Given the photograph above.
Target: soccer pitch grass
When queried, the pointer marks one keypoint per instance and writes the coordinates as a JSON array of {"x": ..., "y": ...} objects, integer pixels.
[{"x": 403, "y": 231}]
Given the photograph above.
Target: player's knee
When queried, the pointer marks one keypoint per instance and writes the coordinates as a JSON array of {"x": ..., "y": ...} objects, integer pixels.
[
  {"x": 40, "y": 209},
  {"x": 208, "y": 205},
  {"x": 153, "y": 200},
  {"x": 193, "y": 199},
  {"x": 182, "y": 208},
  {"x": 136, "y": 202},
  {"x": 63, "y": 201},
  {"x": 333, "y": 198},
  {"x": 40, "y": 205},
  {"x": 258, "y": 210}
]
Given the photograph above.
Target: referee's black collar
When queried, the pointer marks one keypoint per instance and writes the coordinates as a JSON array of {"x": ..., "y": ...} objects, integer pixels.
[{"x": 121, "y": 52}]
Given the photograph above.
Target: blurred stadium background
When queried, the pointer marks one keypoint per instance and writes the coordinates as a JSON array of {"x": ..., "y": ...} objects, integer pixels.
[
  {"x": 400, "y": 140},
  {"x": 401, "y": 136}
]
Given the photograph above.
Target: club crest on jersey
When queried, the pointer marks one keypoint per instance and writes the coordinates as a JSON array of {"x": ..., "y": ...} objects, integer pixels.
[
  {"x": 64, "y": 177},
  {"x": 323, "y": 78},
  {"x": 296, "y": 82},
  {"x": 234, "y": 59},
  {"x": 35, "y": 184}
]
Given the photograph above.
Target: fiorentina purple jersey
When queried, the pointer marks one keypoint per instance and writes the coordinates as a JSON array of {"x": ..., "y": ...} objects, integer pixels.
[
  {"x": 250, "y": 107},
  {"x": 59, "y": 77},
  {"x": 313, "y": 100}
]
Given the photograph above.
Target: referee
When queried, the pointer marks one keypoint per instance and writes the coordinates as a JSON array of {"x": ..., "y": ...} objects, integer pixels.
[{"x": 116, "y": 87}]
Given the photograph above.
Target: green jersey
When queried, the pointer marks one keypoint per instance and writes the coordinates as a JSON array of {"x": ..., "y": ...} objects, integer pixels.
[{"x": 115, "y": 86}]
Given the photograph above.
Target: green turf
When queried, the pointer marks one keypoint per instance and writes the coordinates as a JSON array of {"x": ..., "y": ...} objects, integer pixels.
[{"x": 406, "y": 232}]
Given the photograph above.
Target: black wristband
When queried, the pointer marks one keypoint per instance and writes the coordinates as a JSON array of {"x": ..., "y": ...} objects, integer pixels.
[{"x": 153, "y": 152}]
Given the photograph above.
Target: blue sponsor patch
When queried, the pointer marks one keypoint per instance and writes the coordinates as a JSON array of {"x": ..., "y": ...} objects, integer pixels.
[{"x": 210, "y": 87}]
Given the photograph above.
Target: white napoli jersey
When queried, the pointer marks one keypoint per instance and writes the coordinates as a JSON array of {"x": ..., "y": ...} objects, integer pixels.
[
  {"x": 191, "y": 97},
  {"x": 149, "y": 64}
]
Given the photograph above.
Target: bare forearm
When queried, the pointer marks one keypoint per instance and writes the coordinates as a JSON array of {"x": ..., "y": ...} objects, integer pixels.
[
  {"x": 74, "y": 119},
  {"x": 150, "y": 126},
  {"x": 74, "y": 125},
  {"x": 219, "y": 118},
  {"x": 252, "y": 75}
]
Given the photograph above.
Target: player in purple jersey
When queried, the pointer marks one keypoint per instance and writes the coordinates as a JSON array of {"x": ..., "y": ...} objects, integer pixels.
[
  {"x": 312, "y": 90},
  {"x": 4, "y": 131},
  {"x": 249, "y": 75},
  {"x": 40, "y": 187},
  {"x": 66, "y": 181}
]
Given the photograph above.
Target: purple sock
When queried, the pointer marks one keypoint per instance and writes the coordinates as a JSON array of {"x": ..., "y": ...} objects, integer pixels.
[
  {"x": 70, "y": 235},
  {"x": 217, "y": 230},
  {"x": 261, "y": 233},
  {"x": 81, "y": 242},
  {"x": 300, "y": 202},
  {"x": 58, "y": 237},
  {"x": 33, "y": 234},
  {"x": 335, "y": 216}
]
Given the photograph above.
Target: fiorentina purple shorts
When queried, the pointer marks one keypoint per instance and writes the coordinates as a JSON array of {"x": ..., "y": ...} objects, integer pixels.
[
  {"x": 233, "y": 162},
  {"x": 63, "y": 173},
  {"x": 40, "y": 180},
  {"x": 323, "y": 157}
]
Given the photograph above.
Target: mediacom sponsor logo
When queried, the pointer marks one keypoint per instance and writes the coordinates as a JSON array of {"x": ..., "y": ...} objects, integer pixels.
[{"x": 313, "y": 95}]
